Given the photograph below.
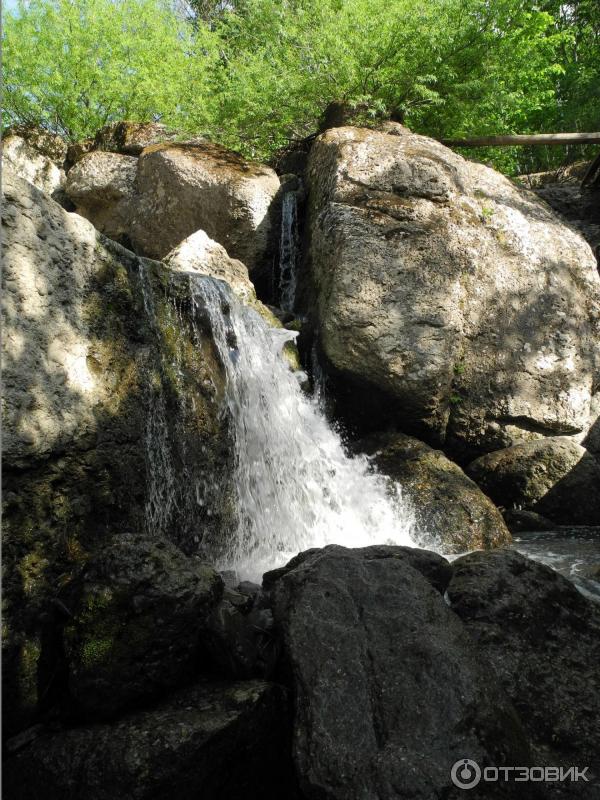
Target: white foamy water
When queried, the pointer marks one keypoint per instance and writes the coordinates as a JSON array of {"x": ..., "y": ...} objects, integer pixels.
[{"x": 296, "y": 486}]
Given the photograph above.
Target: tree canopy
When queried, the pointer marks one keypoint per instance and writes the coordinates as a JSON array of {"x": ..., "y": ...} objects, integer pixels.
[{"x": 257, "y": 74}]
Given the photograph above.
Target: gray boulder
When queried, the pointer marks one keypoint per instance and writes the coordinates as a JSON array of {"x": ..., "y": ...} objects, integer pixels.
[
  {"x": 389, "y": 689},
  {"x": 102, "y": 186},
  {"x": 453, "y": 303},
  {"x": 541, "y": 638},
  {"x": 184, "y": 187},
  {"x": 137, "y": 610},
  {"x": 554, "y": 477},
  {"x": 216, "y": 741},
  {"x": 452, "y": 513}
]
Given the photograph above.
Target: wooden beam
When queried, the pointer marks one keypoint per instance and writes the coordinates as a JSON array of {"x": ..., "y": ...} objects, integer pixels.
[{"x": 533, "y": 138}]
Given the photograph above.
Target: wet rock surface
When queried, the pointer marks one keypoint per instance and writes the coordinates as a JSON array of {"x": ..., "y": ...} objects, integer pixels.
[{"x": 453, "y": 514}]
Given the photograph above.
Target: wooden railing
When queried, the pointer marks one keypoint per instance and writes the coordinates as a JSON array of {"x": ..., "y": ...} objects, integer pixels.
[{"x": 533, "y": 138}]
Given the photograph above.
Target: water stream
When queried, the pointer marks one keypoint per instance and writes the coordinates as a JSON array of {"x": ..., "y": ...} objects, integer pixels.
[
  {"x": 288, "y": 251},
  {"x": 296, "y": 486}
]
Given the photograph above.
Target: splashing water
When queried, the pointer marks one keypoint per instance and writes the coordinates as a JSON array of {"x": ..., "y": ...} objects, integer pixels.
[
  {"x": 296, "y": 487},
  {"x": 288, "y": 251}
]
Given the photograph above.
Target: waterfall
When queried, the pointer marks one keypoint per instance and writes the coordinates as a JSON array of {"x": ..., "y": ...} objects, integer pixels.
[
  {"x": 296, "y": 487},
  {"x": 288, "y": 251}
]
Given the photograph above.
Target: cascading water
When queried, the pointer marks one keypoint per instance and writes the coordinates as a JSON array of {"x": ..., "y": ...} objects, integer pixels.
[
  {"x": 296, "y": 487},
  {"x": 288, "y": 251}
]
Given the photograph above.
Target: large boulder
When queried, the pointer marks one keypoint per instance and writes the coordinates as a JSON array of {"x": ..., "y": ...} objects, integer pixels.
[
  {"x": 24, "y": 159},
  {"x": 183, "y": 187},
  {"x": 136, "y": 611},
  {"x": 541, "y": 638},
  {"x": 554, "y": 477},
  {"x": 112, "y": 416},
  {"x": 101, "y": 186},
  {"x": 215, "y": 741},
  {"x": 389, "y": 689},
  {"x": 452, "y": 513},
  {"x": 452, "y": 302}
]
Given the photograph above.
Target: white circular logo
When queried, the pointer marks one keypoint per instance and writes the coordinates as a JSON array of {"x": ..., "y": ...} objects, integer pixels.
[{"x": 466, "y": 773}]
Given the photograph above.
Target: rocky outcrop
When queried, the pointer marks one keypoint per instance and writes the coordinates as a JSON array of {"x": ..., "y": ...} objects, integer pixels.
[
  {"x": 101, "y": 186},
  {"x": 130, "y": 138},
  {"x": 563, "y": 191},
  {"x": 47, "y": 144},
  {"x": 554, "y": 477},
  {"x": 452, "y": 513},
  {"x": 32, "y": 165},
  {"x": 450, "y": 303},
  {"x": 216, "y": 741},
  {"x": 112, "y": 416},
  {"x": 186, "y": 187},
  {"x": 541, "y": 638},
  {"x": 133, "y": 631},
  {"x": 389, "y": 689}
]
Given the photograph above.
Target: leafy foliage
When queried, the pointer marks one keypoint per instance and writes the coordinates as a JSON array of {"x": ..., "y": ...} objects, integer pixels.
[
  {"x": 75, "y": 65},
  {"x": 257, "y": 74}
]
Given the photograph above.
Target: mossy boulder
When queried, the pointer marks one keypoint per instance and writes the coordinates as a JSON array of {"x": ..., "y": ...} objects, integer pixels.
[
  {"x": 112, "y": 416},
  {"x": 453, "y": 514},
  {"x": 554, "y": 477},
  {"x": 137, "y": 608}
]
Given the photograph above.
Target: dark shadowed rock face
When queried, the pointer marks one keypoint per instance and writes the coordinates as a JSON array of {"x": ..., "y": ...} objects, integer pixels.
[
  {"x": 554, "y": 477},
  {"x": 214, "y": 741},
  {"x": 542, "y": 639},
  {"x": 137, "y": 609},
  {"x": 390, "y": 690},
  {"x": 453, "y": 515}
]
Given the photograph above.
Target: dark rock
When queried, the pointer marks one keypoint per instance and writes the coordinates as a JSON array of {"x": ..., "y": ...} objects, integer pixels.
[
  {"x": 435, "y": 568},
  {"x": 452, "y": 513},
  {"x": 390, "y": 690},
  {"x": 519, "y": 520},
  {"x": 238, "y": 637},
  {"x": 137, "y": 612},
  {"x": 214, "y": 741},
  {"x": 554, "y": 477},
  {"x": 541, "y": 637}
]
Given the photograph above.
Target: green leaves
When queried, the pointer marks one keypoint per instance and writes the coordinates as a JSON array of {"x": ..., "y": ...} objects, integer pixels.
[
  {"x": 256, "y": 74},
  {"x": 75, "y": 65}
]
